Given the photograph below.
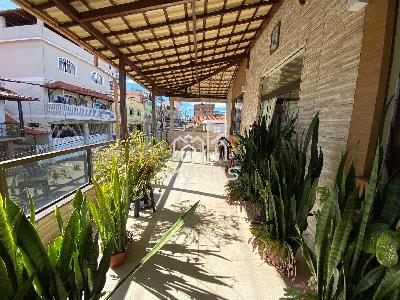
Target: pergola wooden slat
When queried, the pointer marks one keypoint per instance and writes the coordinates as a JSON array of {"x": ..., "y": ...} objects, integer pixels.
[{"x": 184, "y": 48}]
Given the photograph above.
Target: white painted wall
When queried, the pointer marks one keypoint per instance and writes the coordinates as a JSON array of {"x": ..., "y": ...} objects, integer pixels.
[
  {"x": 30, "y": 53},
  {"x": 2, "y": 114}
]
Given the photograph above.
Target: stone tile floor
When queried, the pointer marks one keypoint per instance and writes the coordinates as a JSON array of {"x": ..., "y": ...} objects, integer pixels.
[{"x": 210, "y": 258}]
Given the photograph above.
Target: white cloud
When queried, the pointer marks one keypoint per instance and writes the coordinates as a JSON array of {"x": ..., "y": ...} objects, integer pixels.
[{"x": 131, "y": 81}]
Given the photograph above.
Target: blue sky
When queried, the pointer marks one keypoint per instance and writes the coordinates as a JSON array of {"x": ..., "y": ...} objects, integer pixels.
[{"x": 7, "y": 4}]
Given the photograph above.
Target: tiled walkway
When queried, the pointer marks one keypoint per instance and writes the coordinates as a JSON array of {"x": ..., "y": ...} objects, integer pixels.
[{"x": 210, "y": 258}]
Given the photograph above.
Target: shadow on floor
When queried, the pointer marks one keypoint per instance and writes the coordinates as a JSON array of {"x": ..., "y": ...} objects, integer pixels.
[{"x": 176, "y": 269}]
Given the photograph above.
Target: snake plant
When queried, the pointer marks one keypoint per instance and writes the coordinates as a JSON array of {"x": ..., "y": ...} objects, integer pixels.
[{"x": 356, "y": 246}]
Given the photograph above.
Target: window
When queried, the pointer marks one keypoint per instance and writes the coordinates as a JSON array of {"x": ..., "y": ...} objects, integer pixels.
[
  {"x": 280, "y": 89},
  {"x": 97, "y": 78},
  {"x": 67, "y": 66},
  {"x": 138, "y": 113},
  {"x": 131, "y": 111}
]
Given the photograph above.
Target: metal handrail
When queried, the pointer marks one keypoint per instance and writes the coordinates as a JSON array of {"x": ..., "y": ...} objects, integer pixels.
[{"x": 39, "y": 157}]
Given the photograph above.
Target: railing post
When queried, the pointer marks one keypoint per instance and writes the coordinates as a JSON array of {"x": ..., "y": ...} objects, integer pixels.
[
  {"x": 89, "y": 164},
  {"x": 3, "y": 183}
]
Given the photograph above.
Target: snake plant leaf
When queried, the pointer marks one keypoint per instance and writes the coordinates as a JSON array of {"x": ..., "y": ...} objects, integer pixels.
[
  {"x": 59, "y": 219},
  {"x": 341, "y": 236},
  {"x": 78, "y": 200},
  {"x": 386, "y": 250},
  {"x": 6, "y": 234},
  {"x": 373, "y": 232},
  {"x": 322, "y": 240},
  {"x": 165, "y": 238},
  {"x": 30, "y": 268},
  {"x": 6, "y": 287},
  {"x": 391, "y": 209},
  {"x": 389, "y": 283},
  {"x": 99, "y": 278},
  {"x": 25, "y": 288},
  {"x": 68, "y": 245},
  {"x": 77, "y": 273},
  {"x": 370, "y": 279},
  {"x": 366, "y": 210},
  {"x": 29, "y": 241},
  {"x": 32, "y": 210}
]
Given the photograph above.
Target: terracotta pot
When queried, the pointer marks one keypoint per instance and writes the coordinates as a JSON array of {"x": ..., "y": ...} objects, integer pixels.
[{"x": 117, "y": 259}]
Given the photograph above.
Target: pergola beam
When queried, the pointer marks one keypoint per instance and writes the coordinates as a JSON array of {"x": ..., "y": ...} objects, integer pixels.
[
  {"x": 222, "y": 69},
  {"x": 180, "y": 46},
  {"x": 188, "y": 53},
  {"x": 177, "y": 35},
  {"x": 232, "y": 58},
  {"x": 189, "y": 18},
  {"x": 189, "y": 97},
  {"x": 169, "y": 23},
  {"x": 125, "y": 9}
]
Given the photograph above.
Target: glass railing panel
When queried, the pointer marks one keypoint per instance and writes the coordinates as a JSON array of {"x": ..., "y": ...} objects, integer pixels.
[{"x": 47, "y": 180}]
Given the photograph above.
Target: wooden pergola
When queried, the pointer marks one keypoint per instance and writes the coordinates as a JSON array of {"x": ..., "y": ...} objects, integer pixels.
[{"x": 177, "y": 48}]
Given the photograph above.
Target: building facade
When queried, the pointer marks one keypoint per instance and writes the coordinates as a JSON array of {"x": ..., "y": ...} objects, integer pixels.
[
  {"x": 204, "y": 109},
  {"x": 135, "y": 105},
  {"x": 75, "y": 97}
]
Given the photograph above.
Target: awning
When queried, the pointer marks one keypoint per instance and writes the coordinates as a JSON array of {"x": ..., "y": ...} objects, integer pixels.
[
  {"x": 59, "y": 85},
  {"x": 199, "y": 119},
  {"x": 28, "y": 130},
  {"x": 9, "y": 95},
  {"x": 177, "y": 48}
]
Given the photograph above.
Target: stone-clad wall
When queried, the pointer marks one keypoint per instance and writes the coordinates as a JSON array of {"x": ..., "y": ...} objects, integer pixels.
[{"x": 332, "y": 37}]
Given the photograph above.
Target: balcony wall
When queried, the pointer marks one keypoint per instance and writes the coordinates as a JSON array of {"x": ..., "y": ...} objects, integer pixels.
[{"x": 74, "y": 112}]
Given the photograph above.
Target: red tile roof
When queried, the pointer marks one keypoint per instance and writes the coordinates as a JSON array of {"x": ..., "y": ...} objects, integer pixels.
[
  {"x": 28, "y": 130},
  {"x": 59, "y": 85},
  {"x": 199, "y": 119},
  {"x": 6, "y": 94}
]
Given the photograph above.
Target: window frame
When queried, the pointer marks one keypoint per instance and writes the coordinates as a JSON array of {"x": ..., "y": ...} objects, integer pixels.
[
  {"x": 98, "y": 74},
  {"x": 67, "y": 61}
]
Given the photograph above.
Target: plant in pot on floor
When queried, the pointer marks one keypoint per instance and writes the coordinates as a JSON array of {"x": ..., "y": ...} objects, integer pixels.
[
  {"x": 289, "y": 194},
  {"x": 253, "y": 153},
  {"x": 110, "y": 209}
]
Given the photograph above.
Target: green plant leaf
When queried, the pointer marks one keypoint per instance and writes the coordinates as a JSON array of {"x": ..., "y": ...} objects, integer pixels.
[
  {"x": 59, "y": 219},
  {"x": 373, "y": 232},
  {"x": 389, "y": 283},
  {"x": 369, "y": 280},
  {"x": 386, "y": 250},
  {"x": 32, "y": 210},
  {"x": 369, "y": 199},
  {"x": 165, "y": 238},
  {"x": 5, "y": 282}
]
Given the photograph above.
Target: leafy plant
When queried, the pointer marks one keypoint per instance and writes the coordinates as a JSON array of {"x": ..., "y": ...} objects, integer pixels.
[
  {"x": 110, "y": 207},
  {"x": 355, "y": 256},
  {"x": 253, "y": 154},
  {"x": 68, "y": 269}
]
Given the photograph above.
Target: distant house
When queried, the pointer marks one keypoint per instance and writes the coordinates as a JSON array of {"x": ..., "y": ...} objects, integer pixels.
[
  {"x": 75, "y": 103},
  {"x": 210, "y": 123},
  {"x": 204, "y": 109},
  {"x": 12, "y": 131}
]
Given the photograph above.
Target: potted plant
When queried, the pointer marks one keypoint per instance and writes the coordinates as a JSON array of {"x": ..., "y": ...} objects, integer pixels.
[{"x": 110, "y": 210}]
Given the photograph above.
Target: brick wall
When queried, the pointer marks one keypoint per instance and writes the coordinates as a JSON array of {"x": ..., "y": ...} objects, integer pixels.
[{"x": 332, "y": 37}]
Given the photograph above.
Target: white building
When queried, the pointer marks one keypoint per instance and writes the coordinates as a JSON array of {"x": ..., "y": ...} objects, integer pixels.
[{"x": 75, "y": 96}]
